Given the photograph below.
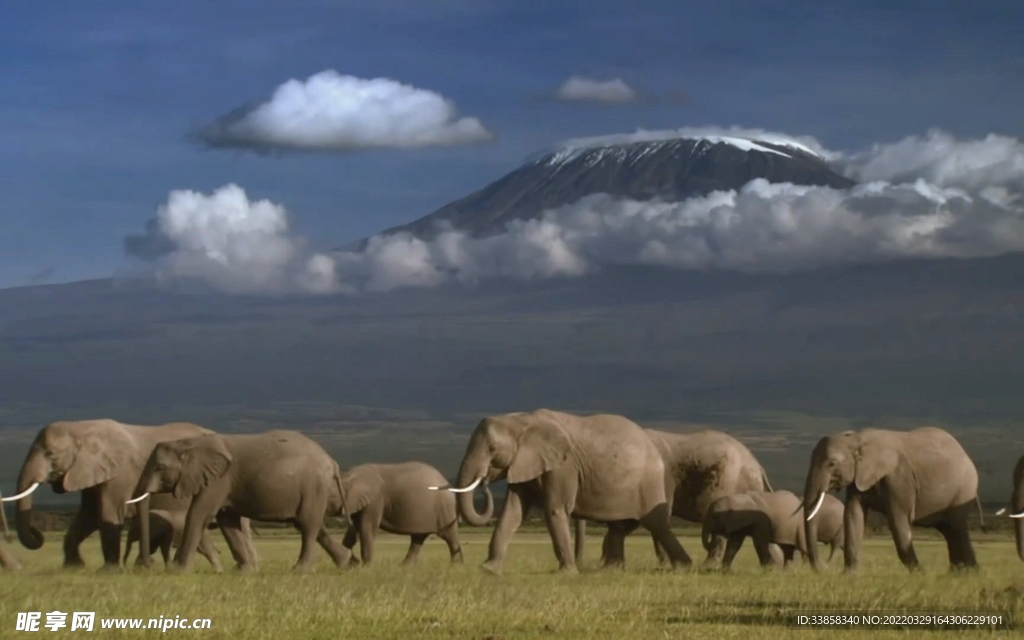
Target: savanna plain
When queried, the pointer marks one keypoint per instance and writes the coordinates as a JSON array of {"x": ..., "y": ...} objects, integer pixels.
[{"x": 434, "y": 599}]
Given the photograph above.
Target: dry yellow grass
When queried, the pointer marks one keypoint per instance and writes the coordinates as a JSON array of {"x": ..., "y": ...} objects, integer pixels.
[{"x": 436, "y": 600}]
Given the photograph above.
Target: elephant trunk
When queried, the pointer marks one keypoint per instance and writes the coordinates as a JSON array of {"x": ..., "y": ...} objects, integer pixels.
[
  {"x": 814, "y": 495},
  {"x": 34, "y": 471},
  {"x": 472, "y": 474}
]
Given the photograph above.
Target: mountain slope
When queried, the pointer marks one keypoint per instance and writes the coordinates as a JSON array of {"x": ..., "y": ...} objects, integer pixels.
[{"x": 670, "y": 170}]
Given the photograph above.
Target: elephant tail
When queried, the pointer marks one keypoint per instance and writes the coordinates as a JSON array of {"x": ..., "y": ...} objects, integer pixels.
[
  {"x": 764, "y": 481},
  {"x": 981, "y": 514}
]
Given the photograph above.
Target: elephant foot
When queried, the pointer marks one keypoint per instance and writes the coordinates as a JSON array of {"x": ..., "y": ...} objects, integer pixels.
[
  {"x": 457, "y": 558},
  {"x": 73, "y": 563},
  {"x": 568, "y": 569},
  {"x": 491, "y": 568},
  {"x": 245, "y": 568},
  {"x": 109, "y": 568},
  {"x": 304, "y": 568},
  {"x": 354, "y": 563}
]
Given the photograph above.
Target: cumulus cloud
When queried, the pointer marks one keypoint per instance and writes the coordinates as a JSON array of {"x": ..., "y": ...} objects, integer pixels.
[
  {"x": 232, "y": 243},
  {"x": 333, "y": 112},
  {"x": 580, "y": 89},
  {"x": 922, "y": 197}
]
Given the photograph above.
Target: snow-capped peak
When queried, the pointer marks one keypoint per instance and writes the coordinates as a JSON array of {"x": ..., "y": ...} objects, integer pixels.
[{"x": 745, "y": 139}]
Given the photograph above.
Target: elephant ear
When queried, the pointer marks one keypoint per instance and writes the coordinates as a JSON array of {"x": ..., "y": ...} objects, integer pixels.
[
  {"x": 361, "y": 488},
  {"x": 879, "y": 459},
  {"x": 542, "y": 447},
  {"x": 201, "y": 463},
  {"x": 103, "y": 448}
]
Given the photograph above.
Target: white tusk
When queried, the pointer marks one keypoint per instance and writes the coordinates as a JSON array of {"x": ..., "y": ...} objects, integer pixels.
[
  {"x": 22, "y": 494},
  {"x": 1017, "y": 515},
  {"x": 814, "y": 511},
  {"x": 139, "y": 499},
  {"x": 1001, "y": 511},
  {"x": 463, "y": 490}
]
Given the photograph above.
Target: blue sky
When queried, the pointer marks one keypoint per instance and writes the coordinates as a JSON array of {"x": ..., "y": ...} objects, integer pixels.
[{"x": 95, "y": 98}]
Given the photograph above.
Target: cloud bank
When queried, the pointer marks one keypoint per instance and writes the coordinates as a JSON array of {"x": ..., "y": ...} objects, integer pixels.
[
  {"x": 333, "y": 112},
  {"x": 580, "y": 89},
  {"x": 922, "y": 197}
]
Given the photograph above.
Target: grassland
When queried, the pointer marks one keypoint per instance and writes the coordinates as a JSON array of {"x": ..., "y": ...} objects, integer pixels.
[{"x": 436, "y": 600}]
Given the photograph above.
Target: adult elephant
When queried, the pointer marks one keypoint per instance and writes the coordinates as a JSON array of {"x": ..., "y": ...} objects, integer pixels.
[
  {"x": 602, "y": 468},
  {"x": 1016, "y": 510},
  {"x": 700, "y": 467},
  {"x": 772, "y": 519},
  {"x": 921, "y": 478},
  {"x": 275, "y": 476},
  {"x": 102, "y": 459},
  {"x": 395, "y": 498}
]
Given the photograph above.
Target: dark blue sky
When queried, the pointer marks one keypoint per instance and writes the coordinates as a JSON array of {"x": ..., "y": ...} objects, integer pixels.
[{"x": 95, "y": 98}]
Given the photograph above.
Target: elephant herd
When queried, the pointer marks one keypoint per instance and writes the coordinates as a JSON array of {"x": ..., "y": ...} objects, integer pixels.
[{"x": 177, "y": 481}]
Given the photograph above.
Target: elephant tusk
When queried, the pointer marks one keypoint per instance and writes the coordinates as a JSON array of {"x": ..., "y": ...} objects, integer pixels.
[
  {"x": 1001, "y": 511},
  {"x": 1017, "y": 515},
  {"x": 35, "y": 485},
  {"x": 456, "y": 490},
  {"x": 814, "y": 511},
  {"x": 139, "y": 499}
]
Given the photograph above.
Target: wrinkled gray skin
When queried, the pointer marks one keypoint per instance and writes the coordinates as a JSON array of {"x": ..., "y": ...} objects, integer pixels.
[
  {"x": 276, "y": 476},
  {"x": 165, "y": 531},
  {"x": 1016, "y": 510},
  {"x": 773, "y": 520},
  {"x": 602, "y": 468},
  {"x": 700, "y": 467},
  {"x": 914, "y": 478},
  {"x": 103, "y": 460},
  {"x": 395, "y": 498}
]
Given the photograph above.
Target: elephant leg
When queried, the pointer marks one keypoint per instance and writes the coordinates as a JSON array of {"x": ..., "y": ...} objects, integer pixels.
[
  {"x": 369, "y": 523},
  {"x": 415, "y": 545},
  {"x": 613, "y": 549},
  {"x": 657, "y": 522},
  {"x": 83, "y": 525},
  {"x": 902, "y": 536},
  {"x": 350, "y": 539},
  {"x": 206, "y": 549},
  {"x": 230, "y": 525},
  {"x": 203, "y": 508},
  {"x": 111, "y": 527},
  {"x": 579, "y": 539},
  {"x": 310, "y": 523},
  {"x": 451, "y": 537},
  {"x": 762, "y": 540},
  {"x": 338, "y": 553},
  {"x": 958, "y": 545},
  {"x": 732, "y": 547},
  {"x": 245, "y": 526},
  {"x": 517, "y": 506},
  {"x": 557, "y": 520}
]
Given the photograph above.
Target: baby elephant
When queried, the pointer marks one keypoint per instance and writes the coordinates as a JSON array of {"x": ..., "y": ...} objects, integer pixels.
[
  {"x": 395, "y": 498},
  {"x": 774, "y": 520},
  {"x": 165, "y": 531}
]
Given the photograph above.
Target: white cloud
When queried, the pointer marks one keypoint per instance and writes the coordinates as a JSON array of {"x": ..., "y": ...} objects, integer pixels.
[
  {"x": 233, "y": 244},
  {"x": 580, "y": 89},
  {"x": 925, "y": 197},
  {"x": 333, "y": 112}
]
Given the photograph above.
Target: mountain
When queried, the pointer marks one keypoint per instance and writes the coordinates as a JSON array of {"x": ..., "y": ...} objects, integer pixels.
[{"x": 670, "y": 170}]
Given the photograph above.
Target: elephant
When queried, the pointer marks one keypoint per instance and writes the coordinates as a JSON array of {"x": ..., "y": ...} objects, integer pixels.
[
  {"x": 275, "y": 476},
  {"x": 921, "y": 477},
  {"x": 102, "y": 459},
  {"x": 165, "y": 529},
  {"x": 1016, "y": 509},
  {"x": 394, "y": 497},
  {"x": 768, "y": 517},
  {"x": 700, "y": 467},
  {"x": 601, "y": 467}
]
